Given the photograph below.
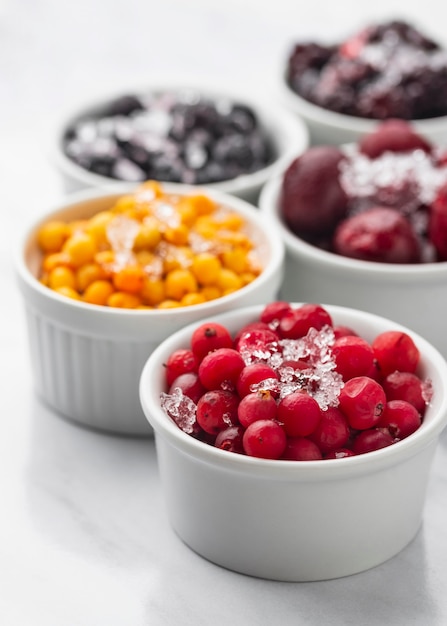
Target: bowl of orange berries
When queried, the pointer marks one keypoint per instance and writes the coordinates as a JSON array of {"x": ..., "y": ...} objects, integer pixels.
[{"x": 105, "y": 277}]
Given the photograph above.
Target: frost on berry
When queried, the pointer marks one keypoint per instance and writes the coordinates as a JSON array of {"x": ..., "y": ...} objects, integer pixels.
[
  {"x": 427, "y": 391},
  {"x": 180, "y": 408}
]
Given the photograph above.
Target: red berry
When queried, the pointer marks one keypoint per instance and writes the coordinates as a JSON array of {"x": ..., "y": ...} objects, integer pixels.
[
  {"x": 332, "y": 433},
  {"x": 343, "y": 331},
  {"x": 301, "y": 449},
  {"x": 221, "y": 367},
  {"x": 254, "y": 374},
  {"x": 372, "y": 439},
  {"x": 379, "y": 234},
  {"x": 274, "y": 311},
  {"x": 405, "y": 386},
  {"x": 400, "y": 418},
  {"x": 190, "y": 385},
  {"x": 208, "y": 337},
  {"x": 312, "y": 199},
  {"x": 256, "y": 406},
  {"x": 298, "y": 322},
  {"x": 353, "y": 356},
  {"x": 249, "y": 327},
  {"x": 230, "y": 439},
  {"x": 256, "y": 341},
  {"x": 393, "y": 135},
  {"x": 362, "y": 400},
  {"x": 299, "y": 413},
  {"x": 264, "y": 439},
  {"x": 437, "y": 229},
  {"x": 395, "y": 350},
  {"x": 179, "y": 362},
  {"x": 217, "y": 410}
]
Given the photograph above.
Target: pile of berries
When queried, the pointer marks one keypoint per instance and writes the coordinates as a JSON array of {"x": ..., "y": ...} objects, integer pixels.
[
  {"x": 171, "y": 137},
  {"x": 383, "y": 71},
  {"x": 292, "y": 385},
  {"x": 382, "y": 200}
]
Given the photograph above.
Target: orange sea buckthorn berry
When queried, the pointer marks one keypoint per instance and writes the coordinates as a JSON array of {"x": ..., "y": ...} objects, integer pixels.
[
  {"x": 97, "y": 227},
  {"x": 106, "y": 259},
  {"x": 123, "y": 300},
  {"x": 206, "y": 268},
  {"x": 98, "y": 292},
  {"x": 129, "y": 279},
  {"x": 56, "y": 259},
  {"x": 190, "y": 299},
  {"x": 68, "y": 292},
  {"x": 211, "y": 292},
  {"x": 231, "y": 221},
  {"x": 149, "y": 190},
  {"x": 169, "y": 304},
  {"x": 247, "y": 277},
  {"x": 81, "y": 249},
  {"x": 52, "y": 235},
  {"x": 177, "y": 235},
  {"x": 180, "y": 282},
  {"x": 61, "y": 277},
  {"x": 176, "y": 257},
  {"x": 153, "y": 291},
  {"x": 123, "y": 204},
  {"x": 235, "y": 259},
  {"x": 203, "y": 204},
  {"x": 228, "y": 281},
  {"x": 148, "y": 236},
  {"x": 87, "y": 274},
  {"x": 187, "y": 211},
  {"x": 206, "y": 227}
]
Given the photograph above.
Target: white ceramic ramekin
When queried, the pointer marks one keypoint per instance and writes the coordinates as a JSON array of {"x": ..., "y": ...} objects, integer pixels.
[
  {"x": 87, "y": 359},
  {"x": 413, "y": 295},
  {"x": 288, "y": 133},
  {"x": 295, "y": 520}
]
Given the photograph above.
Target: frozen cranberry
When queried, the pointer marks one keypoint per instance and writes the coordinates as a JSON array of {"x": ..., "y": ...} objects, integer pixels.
[
  {"x": 405, "y": 386},
  {"x": 401, "y": 418},
  {"x": 274, "y": 311},
  {"x": 372, "y": 439},
  {"x": 208, "y": 337},
  {"x": 362, "y": 400},
  {"x": 179, "y": 362},
  {"x": 258, "y": 325},
  {"x": 299, "y": 321},
  {"x": 312, "y": 199},
  {"x": 259, "y": 405},
  {"x": 353, "y": 356},
  {"x": 299, "y": 413},
  {"x": 378, "y": 234},
  {"x": 264, "y": 439},
  {"x": 256, "y": 341},
  {"x": 393, "y": 135},
  {"x": 395, "y": 350},
  {"x": 301, "y": 449},
  {"x": 254, "y": 374},
  {"x": 220, "y": 367},
  {"x": 216, "y": 410},
  {"x": 437, "y": 229},
  {"x": 189, "y": 384},
  {"x": 343, "y": 331},
  {"x": 230, "y": 439},
  {"x": 332, "y": 431}
]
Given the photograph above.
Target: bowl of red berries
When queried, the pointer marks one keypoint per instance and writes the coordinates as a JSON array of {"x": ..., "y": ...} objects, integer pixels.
[
  {"x": 176, "y": 133},
  {"x": 288, "y": 436},
  {"x": 383, "y": 71},
  {"x": 365, "y": 225}
]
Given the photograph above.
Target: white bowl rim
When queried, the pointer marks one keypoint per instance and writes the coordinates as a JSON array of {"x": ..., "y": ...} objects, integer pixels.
[
  {"x": 206, "y": 308},
  {"x": 329, "y": 469},
  {"x": 268, "y": 204},
  {"x": 269, "y": 110}
]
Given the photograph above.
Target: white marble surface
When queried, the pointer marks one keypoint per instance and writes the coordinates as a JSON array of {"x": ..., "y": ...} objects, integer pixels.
[{"x": 84, "y": 538}]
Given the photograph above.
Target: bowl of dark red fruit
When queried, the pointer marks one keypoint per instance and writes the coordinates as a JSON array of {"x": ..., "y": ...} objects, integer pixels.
[
  {"x": 288, "y": 436},
  {"x": 177, "y": 134},
  {"x": 383, "y": 71},
  {"x": 365, "y": 225}
]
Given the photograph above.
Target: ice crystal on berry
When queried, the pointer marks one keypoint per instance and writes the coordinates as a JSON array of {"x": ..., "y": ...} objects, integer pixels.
[
  {"x": 121, "y": 233},
  {"x": 180, "y": 408},
  {"x": 427, "y": 391}
]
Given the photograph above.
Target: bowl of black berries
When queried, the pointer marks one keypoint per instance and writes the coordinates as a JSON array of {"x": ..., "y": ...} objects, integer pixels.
[
  {"x": 177, "y": 134},
  {"x": 388, "y": 70}
]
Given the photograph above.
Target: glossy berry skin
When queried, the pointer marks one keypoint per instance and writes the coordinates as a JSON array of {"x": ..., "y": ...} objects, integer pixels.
[
  {"x": 248, "y": 328},
  {"x": 217, "y": 410},
  {"x": 343, "y": 331},
  {"x": 353, "y": 356},
  {"x": 379, "y": 234},
  {"x": 362, "y": 401},
  {"x": 297, "y": 323},
  {"x": 190, "y": 385},
  {"x": 392, "y": 135},
  {"x": 274, "y": 311},
  {"x": 395, "y": 350},
  {"x": 312, "y": 200},
  {"x": 253, "y": 374},
  {"x": 230, "y": 439},
  {"x": 299, "y": 413},
  {"x": 264, "y": 439},
  {"x": 332, "y": 433},
  {"x": 437, "y": 228},
  {"x": 263, "y": 339},
  {"x": 405, "y": 386},
  {"x": 180, "y": 362},
  {"x": 301, "y": 449},
  {"x": 208, "y": 337},
  {"x": 372, "y": 439},
  {"x": 256, "y": 406},
  {"x": 400, "y": 418},
  {"x": 220, "y": 367}
]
